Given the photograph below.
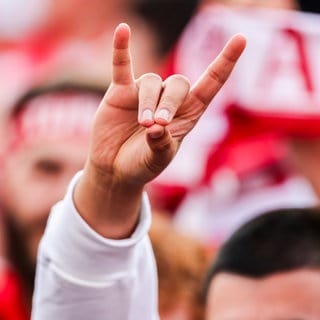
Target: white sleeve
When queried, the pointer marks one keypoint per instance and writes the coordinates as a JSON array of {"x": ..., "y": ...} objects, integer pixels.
[{"x": 81, "y": 275}]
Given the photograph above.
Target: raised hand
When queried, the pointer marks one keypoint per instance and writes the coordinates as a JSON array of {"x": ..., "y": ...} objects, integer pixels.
[
  {"x": 141, "y": 123},
  {"x": 138, "y": 129}
]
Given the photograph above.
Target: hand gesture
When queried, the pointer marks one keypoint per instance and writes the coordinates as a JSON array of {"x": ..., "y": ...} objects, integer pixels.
[
  {"x": 138, "y": 129},
  {"x": 141, "y": 123}
]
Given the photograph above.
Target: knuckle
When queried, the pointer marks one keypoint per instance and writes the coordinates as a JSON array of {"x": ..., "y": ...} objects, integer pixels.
[
  {"x": 216, "y": 76},
  {"x": 119, "y": 62},
  {"x": 121, "y": 58},
  {"x": 147, "y": 102},
  {"x": 153, "y": 77},
  {"x": 181, "y": 79},
  {"x": 167, "y": 101}
]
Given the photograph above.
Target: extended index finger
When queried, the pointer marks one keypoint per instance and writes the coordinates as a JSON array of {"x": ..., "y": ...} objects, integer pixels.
[
  {"x": 219, "y": 70},
  {"x": 122, "y": 65}
]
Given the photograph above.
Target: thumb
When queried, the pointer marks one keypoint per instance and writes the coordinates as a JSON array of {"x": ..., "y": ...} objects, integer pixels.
[{"x": 162, "y": 148}]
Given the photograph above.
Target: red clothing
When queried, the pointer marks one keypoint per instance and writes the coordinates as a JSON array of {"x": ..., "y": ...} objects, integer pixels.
[{"x": 12, "y": 300}]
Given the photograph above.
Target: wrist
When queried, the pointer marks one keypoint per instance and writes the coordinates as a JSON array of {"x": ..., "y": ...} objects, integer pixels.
[
  {"x": 111, "y": 181},
  {"x": 109, "y": 206}
]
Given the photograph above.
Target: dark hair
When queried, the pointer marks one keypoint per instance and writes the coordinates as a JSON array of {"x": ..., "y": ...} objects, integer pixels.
[
  {"x": 278, "y": 241},
  {"x": 167, "y": 18},
  {"x": 309, "y": 6}
]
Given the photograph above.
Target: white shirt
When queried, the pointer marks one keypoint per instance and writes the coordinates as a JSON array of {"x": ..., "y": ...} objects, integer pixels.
[{"x": 81, "y": 275}]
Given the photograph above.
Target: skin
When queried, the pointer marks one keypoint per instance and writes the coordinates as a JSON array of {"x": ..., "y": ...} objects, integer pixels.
[
  {"x": 287, "y": 296},
  {"x": 46, "y": 168},
  {"x": 302, "y": 151},
  {"x": 137, "y": 131},
  {"x": 181, "y": 312}
]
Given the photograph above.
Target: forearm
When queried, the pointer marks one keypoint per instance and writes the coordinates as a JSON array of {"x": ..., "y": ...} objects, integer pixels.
[{"x": 111, "y": 209}]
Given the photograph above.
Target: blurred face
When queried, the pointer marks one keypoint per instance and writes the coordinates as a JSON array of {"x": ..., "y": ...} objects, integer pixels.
[
  {"x": 50, "y": 139},
  {"x": 285, "y": 296},
  {"x": 36, "y": 177}
]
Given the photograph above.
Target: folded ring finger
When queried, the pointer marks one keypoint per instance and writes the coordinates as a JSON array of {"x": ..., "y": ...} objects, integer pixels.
[{"x": 175, "y": 90}]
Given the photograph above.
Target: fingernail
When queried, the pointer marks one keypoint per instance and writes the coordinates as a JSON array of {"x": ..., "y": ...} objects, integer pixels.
[
  {"x": 147, "y": 115},
  {"x": 163, "y": 114}
]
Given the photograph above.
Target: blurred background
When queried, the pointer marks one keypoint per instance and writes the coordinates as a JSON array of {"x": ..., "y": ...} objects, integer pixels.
[{"x": 256, "y": 148}]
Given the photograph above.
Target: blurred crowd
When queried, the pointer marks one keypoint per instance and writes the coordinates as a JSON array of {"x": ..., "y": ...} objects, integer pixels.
[{"x": 256, "y": 149}]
